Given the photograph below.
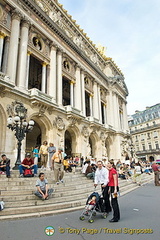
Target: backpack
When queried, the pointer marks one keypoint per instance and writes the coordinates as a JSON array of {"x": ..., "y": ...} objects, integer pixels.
[{"x": 28, "y": 173}]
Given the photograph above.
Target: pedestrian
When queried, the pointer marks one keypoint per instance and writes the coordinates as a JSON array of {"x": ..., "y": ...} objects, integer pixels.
[
  {"x": 44, "y": 154},
  {"x": 102, "y": 177},
  {"x": 113, "y": 191},
  {"x": 51, "y": 150},
  {"x": 156, "y": 170},
  {"x": 36, "y": 154},
  {"x": 58, "y": 165},
  {"x": 43, "y": 192},
  {"x": 137, "y": 177},
  {"x": 27, "y": 163},
  {"x": 5, "y": 165}
]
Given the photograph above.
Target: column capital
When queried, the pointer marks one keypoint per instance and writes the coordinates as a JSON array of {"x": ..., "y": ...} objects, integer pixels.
[
  {"x": 26, "y": 23},
  {"x": 59, "y": 50},
  {"x": 2, "y": 35},
  {"x": 72, "y": 82},
  {"x": 16, "y": 15},
  {"x": 44, "y": 64},
  {"x": 53, "y": 45},
  {"x": 29, "y": 53}
]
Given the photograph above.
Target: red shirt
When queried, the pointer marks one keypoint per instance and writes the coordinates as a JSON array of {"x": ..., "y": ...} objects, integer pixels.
[
  {"x": 155, "y": 167},
  {"x": 28, "y": 162},
  {"x": 112, "y": 171}
]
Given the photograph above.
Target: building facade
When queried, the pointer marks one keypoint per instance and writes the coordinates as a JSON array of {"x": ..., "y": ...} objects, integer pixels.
[
  {"x": 145, "y": 132},
  {"x": 73, "y": 92}
]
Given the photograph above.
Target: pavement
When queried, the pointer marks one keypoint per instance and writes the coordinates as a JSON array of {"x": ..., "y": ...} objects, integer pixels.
[{"x": 140, "y": 213}]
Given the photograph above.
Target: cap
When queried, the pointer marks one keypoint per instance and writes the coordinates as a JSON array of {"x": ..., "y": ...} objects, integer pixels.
[
  {"x": 60, "y": 148},
  {"x": 28, "y": 154}
]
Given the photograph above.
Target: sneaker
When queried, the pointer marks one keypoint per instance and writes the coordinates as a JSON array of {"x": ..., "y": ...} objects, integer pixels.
[
  {"x": 57, "y": 183},
  {"x": 35, "y": 175},
  {"x": 21, "y": 175},
  {"x": 62, "y": 181},
  {"x": 3, "y": 173}
]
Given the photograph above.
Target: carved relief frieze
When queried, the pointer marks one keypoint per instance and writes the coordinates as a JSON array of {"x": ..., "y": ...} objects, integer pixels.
[
  {"x": 88, "y": 83},
  {"x": 5, "y": 16},
  {"x": 58, "y": 122},
  {"x": 85, "y": 132}
]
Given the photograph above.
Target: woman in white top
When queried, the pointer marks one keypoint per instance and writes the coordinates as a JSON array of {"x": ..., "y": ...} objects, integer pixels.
[{"x": 137, "y": 177}]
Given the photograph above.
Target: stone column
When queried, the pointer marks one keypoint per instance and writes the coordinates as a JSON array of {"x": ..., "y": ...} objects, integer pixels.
[
  {"x": 91, "y": 104},
  {"x": 27, "y": 68},
  {"x": 53, "y": 73},
  {"x": 110, "y": 108},
  {"x": 71, "y": 93},
  {"x": 99, "y": 105},
  {"x": 105, "y": 113},
  {"x": 13, "y": 48},
  {"x": 22, "y": 62},
  {"x": 43, "y": 88},
  {"x": 77, "y": 92},
  {"x": 2, "y": 36},
  {"x": 116, "y": 112},
  {"x": 125, "y": 118},
  {"x": 95, "y": 101},
  {"x": 83, "y": 104},
  {"x": 59, "y": 77},
  {"x": 5, "y": 55}
]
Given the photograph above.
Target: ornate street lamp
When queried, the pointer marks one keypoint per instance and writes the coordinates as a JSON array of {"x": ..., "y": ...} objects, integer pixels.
[{"x": 17, "y": 123}]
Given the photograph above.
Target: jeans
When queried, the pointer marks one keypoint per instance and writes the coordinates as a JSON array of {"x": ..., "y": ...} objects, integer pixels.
[
  {"x": 6, "y": 169},
  {"x": 38, "y": 194},
  {"x": 22, "y": 168}
]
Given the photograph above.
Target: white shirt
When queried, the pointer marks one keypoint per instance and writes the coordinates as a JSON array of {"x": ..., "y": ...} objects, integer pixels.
[{"x": 101, "y": 176}]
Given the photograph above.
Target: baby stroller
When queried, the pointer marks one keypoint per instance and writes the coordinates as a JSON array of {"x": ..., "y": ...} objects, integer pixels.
[{"x": 95, "y": 203}]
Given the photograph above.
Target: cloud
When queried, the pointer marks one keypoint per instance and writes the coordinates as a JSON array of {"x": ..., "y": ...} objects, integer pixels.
[{"x": 131, "y": 31}]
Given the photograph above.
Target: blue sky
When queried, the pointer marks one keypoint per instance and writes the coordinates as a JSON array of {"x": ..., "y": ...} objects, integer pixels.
[{"x": 130, "y": 30}]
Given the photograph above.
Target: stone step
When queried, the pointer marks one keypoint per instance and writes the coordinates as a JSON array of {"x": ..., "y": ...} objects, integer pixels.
[
  {"x": 49, "y": 207},
  {"x": 57, "y": 204}
]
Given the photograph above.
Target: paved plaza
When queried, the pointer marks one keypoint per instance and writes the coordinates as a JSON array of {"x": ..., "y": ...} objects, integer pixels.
[{"x": 139, "y": 220}]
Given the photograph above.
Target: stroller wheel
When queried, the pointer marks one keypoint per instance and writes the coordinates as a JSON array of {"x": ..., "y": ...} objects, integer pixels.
[
  {"x": 94, "y": 214},
  {"x": 82, "y": 218},
  {"x": 90, "y": 220}
]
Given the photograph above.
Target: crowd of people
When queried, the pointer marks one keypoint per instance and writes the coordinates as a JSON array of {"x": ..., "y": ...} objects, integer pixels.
[{"x": 101, "y": 172}]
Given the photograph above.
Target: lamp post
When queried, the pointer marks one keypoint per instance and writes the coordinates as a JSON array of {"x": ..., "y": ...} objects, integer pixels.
[
  {"x": 131, "y": 147},
  {"x": 17, "y": 123}
]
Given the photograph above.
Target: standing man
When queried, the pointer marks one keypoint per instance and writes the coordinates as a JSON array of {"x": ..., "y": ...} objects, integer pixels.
[
  {"x": 5, "y": 165},
  {"x": 156, "y": 170},
  {"x": 113, "y": 190},
  {"x": 101, "y": 177},
  {"x": 57, "y": 159}
]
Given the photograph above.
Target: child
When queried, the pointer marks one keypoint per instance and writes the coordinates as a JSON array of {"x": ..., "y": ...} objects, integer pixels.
[{"x": 90, "y": 205}]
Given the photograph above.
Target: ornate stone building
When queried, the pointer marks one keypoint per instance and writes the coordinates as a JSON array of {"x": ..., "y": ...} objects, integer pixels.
[
  {"x": 74, "y": 93},
  {"x": 145, "y": 132}
]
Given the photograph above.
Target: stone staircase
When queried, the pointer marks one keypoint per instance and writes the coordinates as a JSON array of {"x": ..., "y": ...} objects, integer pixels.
[{"x": 20, "y": 201}]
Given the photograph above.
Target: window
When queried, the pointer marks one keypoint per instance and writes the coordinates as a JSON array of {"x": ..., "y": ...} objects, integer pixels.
[
  {"x": 149, "y": 146},
  {"x": 148, "y": 135},
  {"x": 143, "y": 147},
  {"x": 157, "y": 145},
  {"x": 142, "y": 137},
  {"x": 155, "y": 134}
]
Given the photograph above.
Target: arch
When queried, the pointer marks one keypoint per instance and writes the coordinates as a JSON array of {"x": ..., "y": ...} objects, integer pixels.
[
  {"x": 71, "y": 141},
  {"x": 93, "y": 142},
  {"x": 39, "y": 132},
  {"x": 108, "y": 143}
]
